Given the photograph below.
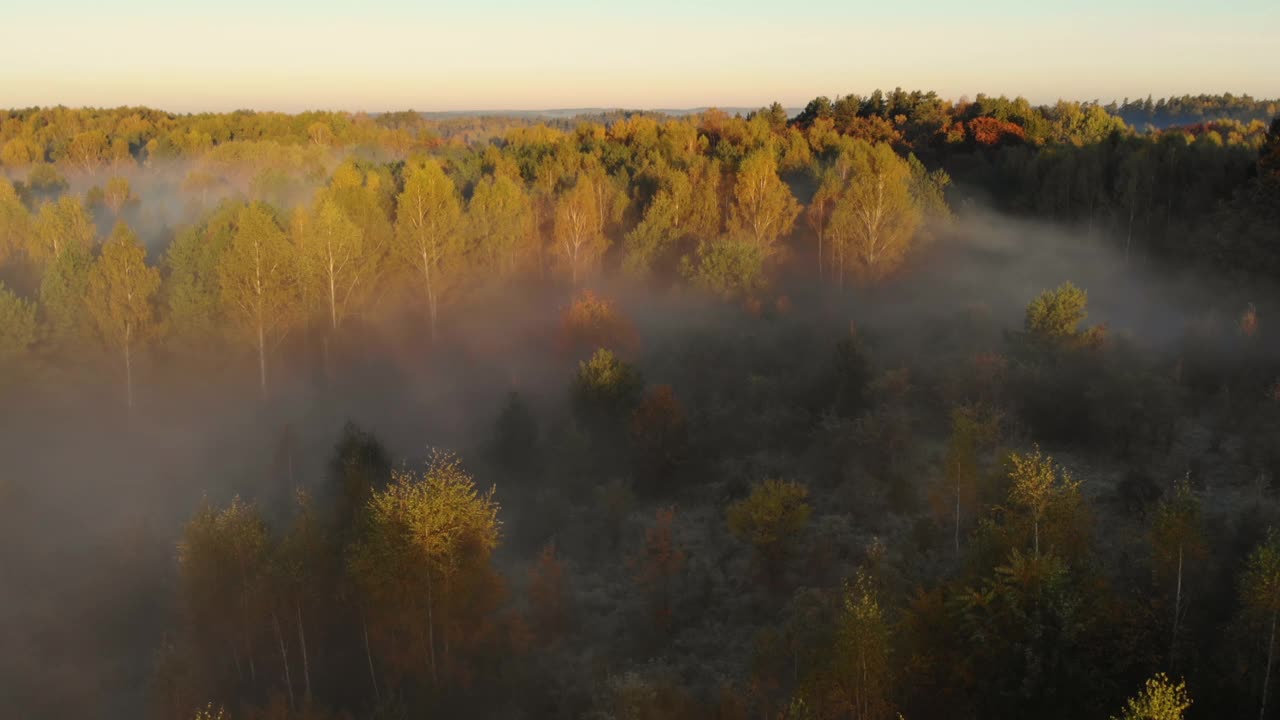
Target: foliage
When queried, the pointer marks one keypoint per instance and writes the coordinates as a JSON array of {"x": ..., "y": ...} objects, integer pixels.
[{"x": 1160, "y": 699}]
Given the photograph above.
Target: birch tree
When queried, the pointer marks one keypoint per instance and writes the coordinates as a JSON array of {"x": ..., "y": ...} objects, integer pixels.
[
  {"x": 333, "y": 261},
  {"x": 1176, "y": 540},
  {"x": 428, "y": 235},
  {"x": 876, "y": 215},
  {"x": 1261, "y": 591},
  {"x": 763, "y": 208},
  {"x": 121, "y": 294},
  {"x": 257, "y": 278},
  {"x": 578, "y": 239},
  {"x": 59, "y": 226}
]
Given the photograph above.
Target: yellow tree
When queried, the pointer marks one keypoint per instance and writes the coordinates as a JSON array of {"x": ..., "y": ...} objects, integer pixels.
[
  {"x": 579, "y": 241},
  {"x": 428, "y": 235},
  {"x": 421, "y": 531},
  {"x": 117, "y": 194},
  {"x": 500, "y": 217},
  {"x": 15, "y": 221},
  {"x": 333, "y": 262},
  {"x": 58, "y": 226},
  {"x": 763, "y": 208},
  {"x": 1037, "y": 484},
  {"x": 861, "y": 679},
  {"x": 876, "y": 215},
  {"x": 122, "y": 288},
  {"x": 1160, "y": 699},
  {"x": 818, "y": 213},
  {"x": 257, "y": 279}
]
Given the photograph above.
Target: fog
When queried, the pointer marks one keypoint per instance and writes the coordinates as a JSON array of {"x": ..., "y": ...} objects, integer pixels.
[{"x": 93, "y": 499}]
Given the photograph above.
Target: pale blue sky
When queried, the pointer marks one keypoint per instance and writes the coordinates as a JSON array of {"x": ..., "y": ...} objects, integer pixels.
[{"x": 493, "y": 54}]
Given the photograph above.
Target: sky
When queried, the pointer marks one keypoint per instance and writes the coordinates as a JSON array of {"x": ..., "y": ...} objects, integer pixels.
[{"x": 377, "y": 55}]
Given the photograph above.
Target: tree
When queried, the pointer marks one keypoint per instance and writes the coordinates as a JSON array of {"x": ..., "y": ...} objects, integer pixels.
[
  {"x": 192, "y": 290},
  {"x": 728, "y": 267},
  {"x": 17, "y": 325},
  {"x": 818, "y": 213},
  {"x": 429, "y": 235},
  {"x": 661, "y": 561},
  {"x": 257, "y": 279},
  {"x": 500, "y": 218},
  {"x": 660, "y": 435},
  {"x": 60, "y": 226},
  {"x": 1036, "y": 484},
  {"x": 861, "y": 671},
  {"x": 763, "y": 208},
  {"x": 15, "y": 221},
  {"x": 1160, "y": 699},
  {"x": 665, "y": 222},
  {"x": 62, "y": 296},
  {"x": 117, "y": 194},
  {"x": 1261, "y": 592},
  {"x": 605, "y": 392},
  {"x": 972, "y": 428},
  {"x": 1056, "y": 314},
  {"x": 222, "y": 565},
  {"x": 299, "y": 566},
  {"x": 1175, "y": 540},
  {"x": 516, "y": 437},
  {"x": 334, "y": 263},
  {"x": 770, "y": 519},
  {"x": 875, "y": 218},
  {"x": 547, "y": 602},
  {"x": 421, "y": 531},
  {"x": 577, "y": 229},
  {"x": 121, "y": 292}
]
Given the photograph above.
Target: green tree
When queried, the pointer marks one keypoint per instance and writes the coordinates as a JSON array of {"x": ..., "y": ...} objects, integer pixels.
[
  {"x": 770, "y": 519},
  {"x": 257, "y": 278},
  {"x": 192, "y": 290},
  {"x": 1160, "y": 699},
  {"x": 62, "y": 296},
  {"x": 429, "y": 235},
  {"x": 728, "y": 267},
  {"x": 121, "y": 293}
]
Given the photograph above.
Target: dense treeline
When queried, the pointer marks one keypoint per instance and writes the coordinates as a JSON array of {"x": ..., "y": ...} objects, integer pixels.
[{"x": 730, "y": 499}]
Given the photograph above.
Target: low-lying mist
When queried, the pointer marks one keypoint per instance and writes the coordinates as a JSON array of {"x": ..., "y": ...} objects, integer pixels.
[{"x": 93, "y": 498}]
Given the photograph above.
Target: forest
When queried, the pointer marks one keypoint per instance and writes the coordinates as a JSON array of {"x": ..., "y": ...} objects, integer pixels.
[{"x": 894, "y": 408}]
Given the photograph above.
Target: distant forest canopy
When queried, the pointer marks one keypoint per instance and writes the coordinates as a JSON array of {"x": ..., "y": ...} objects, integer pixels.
[{"x": 349, "y": 206}]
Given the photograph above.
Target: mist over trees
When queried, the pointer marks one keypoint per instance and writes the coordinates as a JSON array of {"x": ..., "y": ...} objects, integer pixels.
[{"x": 896, "y": 408}]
